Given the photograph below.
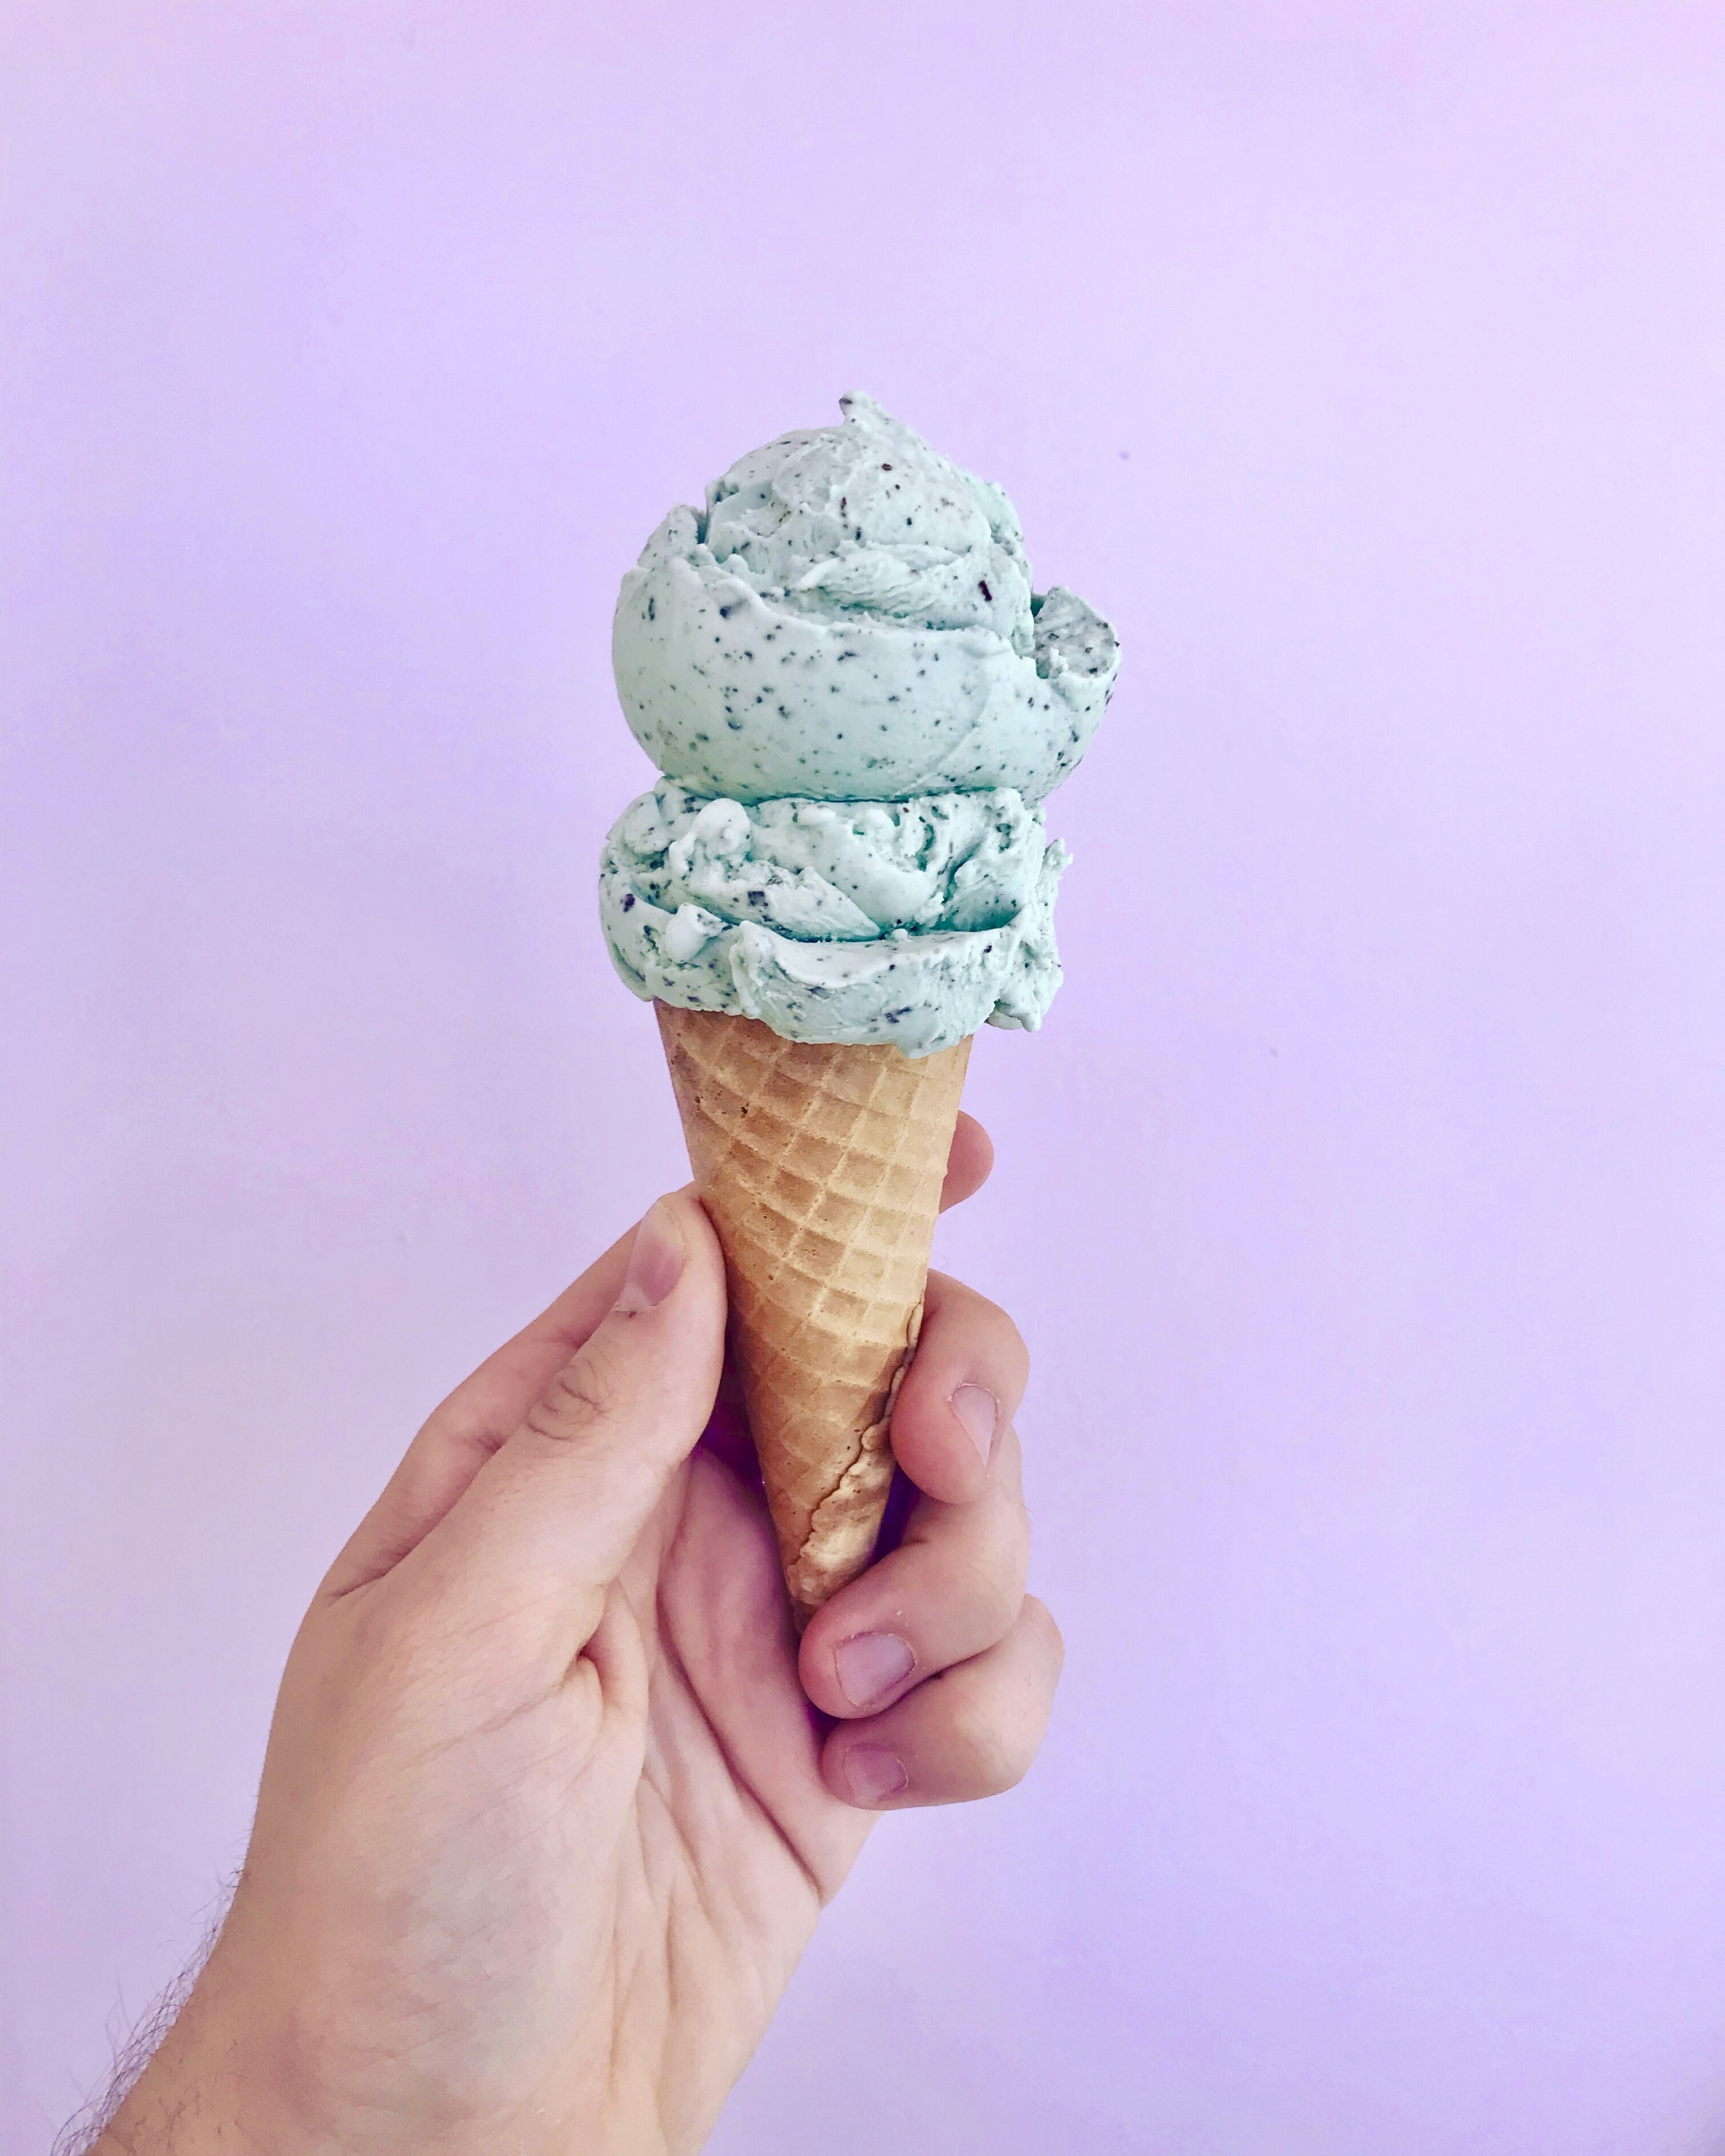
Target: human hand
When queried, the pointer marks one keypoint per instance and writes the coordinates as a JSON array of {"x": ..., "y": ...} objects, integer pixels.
[{"x": 545, "y": 1820}]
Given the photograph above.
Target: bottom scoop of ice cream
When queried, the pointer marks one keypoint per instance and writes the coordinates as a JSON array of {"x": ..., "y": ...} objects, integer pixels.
[{"x": 908, "y": 923}]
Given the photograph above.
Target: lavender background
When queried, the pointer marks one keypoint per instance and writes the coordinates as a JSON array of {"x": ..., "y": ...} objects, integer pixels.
[{"x": 1362, "y": 1199}]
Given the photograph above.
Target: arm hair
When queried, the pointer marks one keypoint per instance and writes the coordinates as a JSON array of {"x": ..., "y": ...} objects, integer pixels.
[{"x": 86, "y": 2128}]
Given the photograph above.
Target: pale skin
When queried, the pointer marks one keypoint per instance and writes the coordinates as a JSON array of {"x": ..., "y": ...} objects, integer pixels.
[{"x": 546, "y": 1817}]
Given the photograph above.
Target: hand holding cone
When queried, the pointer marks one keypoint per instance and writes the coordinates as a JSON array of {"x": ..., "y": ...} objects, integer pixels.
[{"x": 858, "y": 702}]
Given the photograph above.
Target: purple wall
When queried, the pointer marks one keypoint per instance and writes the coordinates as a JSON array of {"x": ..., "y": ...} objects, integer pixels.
[{"x": 1362, "y": 1199}]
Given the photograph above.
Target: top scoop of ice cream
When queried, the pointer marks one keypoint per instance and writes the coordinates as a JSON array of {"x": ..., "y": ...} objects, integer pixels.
[{"x": 852, "y": 619}]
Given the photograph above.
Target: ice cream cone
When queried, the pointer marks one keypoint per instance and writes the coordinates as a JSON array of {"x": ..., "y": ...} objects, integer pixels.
[{"x": 821, "y": 1166}]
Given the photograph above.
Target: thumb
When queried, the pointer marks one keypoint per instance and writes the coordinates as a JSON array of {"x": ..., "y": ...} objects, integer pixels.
[{"x": 545, "y": 1527}]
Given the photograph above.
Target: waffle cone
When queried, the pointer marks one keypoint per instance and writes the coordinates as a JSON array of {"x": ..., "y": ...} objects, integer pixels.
[{"x": 821, "y": 1167}]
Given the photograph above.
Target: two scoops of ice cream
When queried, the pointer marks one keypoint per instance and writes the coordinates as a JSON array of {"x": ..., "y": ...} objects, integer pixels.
[{"x": 859, "y": 705}]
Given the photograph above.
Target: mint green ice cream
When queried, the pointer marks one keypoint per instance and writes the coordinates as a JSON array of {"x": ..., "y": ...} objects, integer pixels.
[{"x": 858, "y": 703}]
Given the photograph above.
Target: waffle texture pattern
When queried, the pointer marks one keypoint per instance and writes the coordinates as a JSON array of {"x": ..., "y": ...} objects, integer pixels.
[{"x": 821, "y": 1165}]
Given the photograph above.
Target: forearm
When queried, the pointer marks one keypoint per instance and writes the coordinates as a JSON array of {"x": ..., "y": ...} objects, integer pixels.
[{"x": 184, "y": 2086}]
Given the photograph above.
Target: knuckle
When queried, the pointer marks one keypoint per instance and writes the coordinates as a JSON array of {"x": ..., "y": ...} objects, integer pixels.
[
  {"x": 1038, "y": 1621},
  {"x": 1005, "y": 1764},
  {"x": 998, "y": 1322},
  {"x": 1015, "y": 1348},
  {"x": 995, "y": 1746},
  {"x": 996, "y": 1325},
  {"x": 992, "y": 1591},
  {"x": 585, "y": 1393},
  {"x": 1006, "y": 1349},
  {"x": 1015, "y": 1533},
  {"x": 375, "y": 1637},
  {"x": 958, "y": 1301}
]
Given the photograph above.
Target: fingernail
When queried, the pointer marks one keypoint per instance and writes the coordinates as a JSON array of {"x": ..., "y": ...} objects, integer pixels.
[
  {"x": 655, "y": 1262},
  {"x": 870, "y": 1664},
  {"x": 976, "y": 1408},
  {"x": 874, "y": 1773}
]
